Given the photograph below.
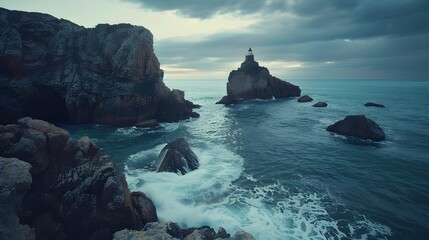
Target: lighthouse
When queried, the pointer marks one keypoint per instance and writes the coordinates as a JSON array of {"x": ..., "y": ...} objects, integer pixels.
[{"x": 249, "y": 56}]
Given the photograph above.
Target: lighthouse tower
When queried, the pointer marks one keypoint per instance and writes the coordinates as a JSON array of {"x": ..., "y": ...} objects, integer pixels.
[
  {"x": 249, "y": 56},
  {"x": 249, "y": 63}
]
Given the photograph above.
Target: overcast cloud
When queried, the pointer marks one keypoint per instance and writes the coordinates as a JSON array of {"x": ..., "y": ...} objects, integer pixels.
[{"x": 358, "y": 38}]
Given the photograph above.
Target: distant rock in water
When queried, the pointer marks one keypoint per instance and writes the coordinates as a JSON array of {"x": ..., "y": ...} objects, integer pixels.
[
  {"x": 320, "y": 104},
  {"x": 371, "y": 104},
  {"x": 177, "y": 157},
  {"x": 305, "y": 98},
  {"x": 75, "y": 192},
  {"x": 55, "y": 70},
  {"x": 251, "y": 81},
  {"x": 358, "y": 126}
]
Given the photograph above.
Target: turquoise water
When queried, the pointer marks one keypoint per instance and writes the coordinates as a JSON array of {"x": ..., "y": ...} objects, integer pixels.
[{"x": 270, "y": 168}]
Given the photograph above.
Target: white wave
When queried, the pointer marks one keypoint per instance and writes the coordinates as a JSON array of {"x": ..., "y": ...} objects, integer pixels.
[{"x": 208, "y": 196}]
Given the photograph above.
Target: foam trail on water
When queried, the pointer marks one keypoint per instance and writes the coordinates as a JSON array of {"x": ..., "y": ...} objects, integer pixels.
[{"x": 209, "y": 196}]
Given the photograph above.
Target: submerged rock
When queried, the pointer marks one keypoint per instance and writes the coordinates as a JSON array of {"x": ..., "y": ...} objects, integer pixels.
[
  {"x": 55, "y": 70},
  {"x": 305, "y": 98},
  {"x": 251, "y": 81},
  {"x": 320, "y": 104},
  {"x": 371, "y": 104},
  {"x": 358, "y": 126},
  {"x": 76, "y": 193},
  {"x": 177, "y": 157}
]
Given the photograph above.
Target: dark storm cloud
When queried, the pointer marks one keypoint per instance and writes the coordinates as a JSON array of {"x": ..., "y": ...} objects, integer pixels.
[
  {"x": 386, "y": 37},
  {"x": 208, "y": 8}
]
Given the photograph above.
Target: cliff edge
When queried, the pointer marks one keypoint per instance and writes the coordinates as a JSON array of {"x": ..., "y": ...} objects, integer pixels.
[{"x": 55, "y": 70}]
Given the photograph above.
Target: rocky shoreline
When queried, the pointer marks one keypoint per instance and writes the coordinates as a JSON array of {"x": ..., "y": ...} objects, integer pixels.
[{"x": 55, "y": 188}]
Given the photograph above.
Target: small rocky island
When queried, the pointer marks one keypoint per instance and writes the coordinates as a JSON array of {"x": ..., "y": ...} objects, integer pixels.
[{"x": 251, "y": 81}]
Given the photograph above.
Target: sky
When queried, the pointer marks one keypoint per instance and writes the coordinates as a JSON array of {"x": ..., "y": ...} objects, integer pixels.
[{"x": 294, "y": 39}]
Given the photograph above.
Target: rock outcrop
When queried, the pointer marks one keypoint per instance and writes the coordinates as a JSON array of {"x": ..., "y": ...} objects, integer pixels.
[
  {"x": 320, "y": 104},
  {"x": 170, "y": 231},
  {"x": 76, "y": 193},
  {"x": 251, "y": 81},
  {"x": 305, "y": 98},
  {"x": 177, "y": 156},
  {"x": 371, "y": 104},
  {"x": 55, "y": 70},
  {"x": 358, "y": 126},
  {"x": 15, "y": 180}
]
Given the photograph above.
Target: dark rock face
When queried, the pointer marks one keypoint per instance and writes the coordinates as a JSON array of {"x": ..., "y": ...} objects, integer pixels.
[
  {"x": 170, "y": 230},
  {"x": 76, "y": 193},
  {"x": 58, "y": 71},
  {"x": 15, "y": 180},
  {"x": 251, "y": 81},
  {"x": 305, "y": 98},
  {"x": 177, "y": 157},
  {"x": 358, "y": 126},
  {"x": 371, "y": 104},
  {"x": 320, "y": 104}
]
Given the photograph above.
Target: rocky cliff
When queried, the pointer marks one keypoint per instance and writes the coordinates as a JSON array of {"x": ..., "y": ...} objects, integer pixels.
[
  {"x": 251, "y": 81},
  {"x": 75, "y": 192},
  {"x": 55, "y": 70}
]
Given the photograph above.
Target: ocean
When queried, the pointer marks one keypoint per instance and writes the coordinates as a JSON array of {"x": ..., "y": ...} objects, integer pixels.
[{"x": 269, "y": 167}]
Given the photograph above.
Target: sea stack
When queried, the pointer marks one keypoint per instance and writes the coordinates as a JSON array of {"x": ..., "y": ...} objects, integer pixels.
[
  {"x": 55, "y": 70},
  {"x": 252, "y": 81}
]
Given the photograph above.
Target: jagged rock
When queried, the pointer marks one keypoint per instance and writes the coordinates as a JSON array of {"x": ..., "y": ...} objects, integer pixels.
[
  {"x": 371, "y": 104},
  {"x": 358, "y": 126},
  {"x": 177, "y": 157},
  {"x": 320, "y": 104},
  {"x": 170, "y": 230},
  {"x": 77, "y": 194},
  {"x": 251, "y": 81},
  {"x": 305, "y": 98},
  {"x": 55, "y": 70},
  {"x": 15, "y": 180},
  {"x": 144, "y": 208},
  {"x": 242, "y": 235}
]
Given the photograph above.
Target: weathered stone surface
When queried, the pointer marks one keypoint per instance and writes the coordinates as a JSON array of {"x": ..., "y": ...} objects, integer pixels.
[
  {"x": 320, "y": 104},
  {"x": 148, "y": 124},
  {"x": 371, "y": 104},
  {"x": 170, "y": 230},
  {"x": 305, "y": 98},
  {"x": 76, "y": 193},
  {"x": 251, "y": 81},
  {"x": 15, "y": 180},
  {"x": 242, "y": 235},
  {"x": 144, "y": 208},
  {"x": 178, "y": 157},
  {"x": 358, "y": 126},
  {"x": 55, "y": 70}
]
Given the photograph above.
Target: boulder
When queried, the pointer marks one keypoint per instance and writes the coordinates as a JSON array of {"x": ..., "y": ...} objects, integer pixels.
[
  {"x": 242, "y": 235},
  {"x": 76, "y": 193},
  {"x": 177, "y": 156},
  {"x": 371, "y": 104},
  {"x": 15, "y": 180},
  {"x": 251, "y": 81},
  {"x": 305, "y": 98},
  {"x": 358, "y": 126},
  {"x": 55, "y": 70},
  {"x": 320, "y": 104}
]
